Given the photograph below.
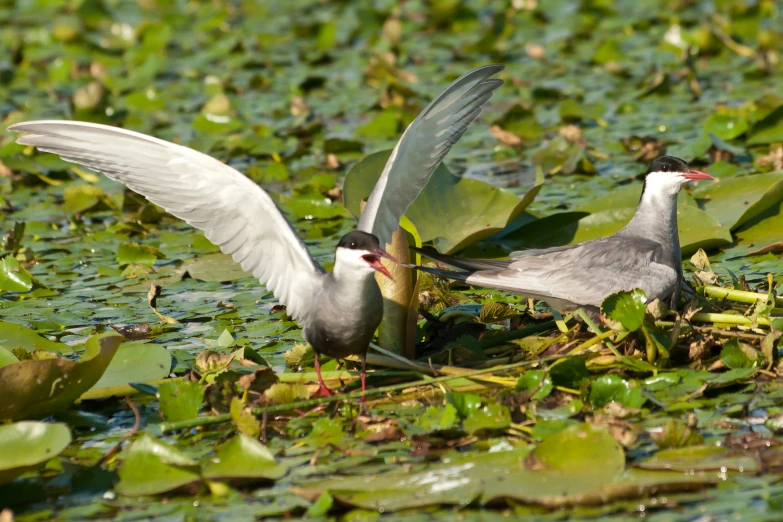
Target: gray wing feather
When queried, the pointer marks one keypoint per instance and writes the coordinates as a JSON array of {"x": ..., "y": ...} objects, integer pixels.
[
  {"x": 585, "y": 274},
  {"x": 233, "y": 212},
  {"x": 423, "y": 146}
]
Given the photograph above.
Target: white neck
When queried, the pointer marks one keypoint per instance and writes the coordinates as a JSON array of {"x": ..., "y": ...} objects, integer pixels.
[
  {"x": 656, "y": 214},
  {"x": 349, "y": 265}
]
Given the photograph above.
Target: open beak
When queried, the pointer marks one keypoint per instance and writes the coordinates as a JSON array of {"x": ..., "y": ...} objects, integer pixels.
[
  {"x": 374, "y": 260},
  {"x": 697, "y": 174}
]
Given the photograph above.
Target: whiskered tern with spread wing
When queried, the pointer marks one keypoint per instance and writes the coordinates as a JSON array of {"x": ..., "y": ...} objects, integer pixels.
[
  {"x": 644, "y": 254},
  {"x": 338, "y": 311}
]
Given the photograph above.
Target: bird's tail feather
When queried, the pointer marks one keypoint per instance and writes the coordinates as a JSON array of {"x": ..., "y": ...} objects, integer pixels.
[
  {"x": 471, "y": 265},
  {"x": 456, "y": 275}
]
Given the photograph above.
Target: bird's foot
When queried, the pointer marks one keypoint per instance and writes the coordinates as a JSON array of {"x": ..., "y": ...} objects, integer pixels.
[{"x": 323, "y": 391}]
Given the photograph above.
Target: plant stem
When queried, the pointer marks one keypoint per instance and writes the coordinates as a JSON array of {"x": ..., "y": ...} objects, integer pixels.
[
  {"x": 596, "y": 330},
  {"x": 739, "y": 296},
  {"x": 590, "y": 342},
  {"x": 496, "y": 340},
  {"x": 216, "y": 419},
  {"x": 726, "y": 319},
  {"x": 126, "y": 390}
]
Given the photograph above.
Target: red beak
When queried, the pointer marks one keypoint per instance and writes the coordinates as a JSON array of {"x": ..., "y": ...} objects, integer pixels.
[
  {"x": 697, "y": 174},
  {"x": 374, "y": 260}
]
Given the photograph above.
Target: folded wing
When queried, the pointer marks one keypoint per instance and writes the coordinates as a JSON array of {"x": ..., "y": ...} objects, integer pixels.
[
  {"x": 234, "y": 213},
  {"x": 587, "y": 273},
  {"x": 423, "y": 146}
]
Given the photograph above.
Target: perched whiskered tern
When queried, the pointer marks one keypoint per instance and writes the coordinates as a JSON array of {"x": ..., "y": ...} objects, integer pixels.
[
  {"x": 644, "y": 254},
  {"x": 338, "y": 311}
]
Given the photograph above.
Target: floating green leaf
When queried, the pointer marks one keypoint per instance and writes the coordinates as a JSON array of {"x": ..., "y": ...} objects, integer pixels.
[
  {"x": 152, "y": 467},
  {"x": 16, "y": 336},
  {"x": 581, "y": 464},
  {"x": 37, "y": 388},
  {"x": 736, "y": 200},
  {"x": 491, "y": 417},
  {"x": 437, "y": 419},
  {"x": 242, "y": 459},
  {"x": 215, "y": 267},
  {"x": 25, "y": 446},
  {"x": 613, "y": 388},
  {"x": 454, "y": 212},
  {"x": 733, "y": 356},
  {"x": 132, "y": 253},
  {"x": 531, "y": 380},
  {"x": 180, "y": 400},
  {"x": 465, "y": 403},
  {"x": 626, "y": 308},
  {"x": 13, "y": 278},
  {"x": 7, "y": 356},
  {"x": 136, "y": 362}
]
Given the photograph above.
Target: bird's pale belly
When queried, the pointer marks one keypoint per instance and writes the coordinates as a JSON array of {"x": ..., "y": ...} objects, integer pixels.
[
  {"x": 339, "y": 340},
  {"x": 339, "y": 331}
]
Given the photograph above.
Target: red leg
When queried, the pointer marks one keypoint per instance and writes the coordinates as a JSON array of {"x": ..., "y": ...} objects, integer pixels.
[
  {"x": 364, "y": 374},
  {"x": 323, "y": 391}
]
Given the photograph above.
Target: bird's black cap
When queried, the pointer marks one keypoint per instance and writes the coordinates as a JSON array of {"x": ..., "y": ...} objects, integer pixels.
[
  {"x": 668, "y": 164},
  {"x": 358, "y": 240}
]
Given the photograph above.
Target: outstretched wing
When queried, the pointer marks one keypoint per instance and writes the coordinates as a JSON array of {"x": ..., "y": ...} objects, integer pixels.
[
  {"x": 423, "y": 146},
  {"x": 233, "y": 212}
]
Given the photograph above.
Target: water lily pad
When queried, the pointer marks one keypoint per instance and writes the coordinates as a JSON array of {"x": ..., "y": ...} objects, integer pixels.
[
  {"x": 627, "y": 308},
  {"x": 180, "y": 400},
  {"x": 465, "y": 403},
  {"x": 136, "y": 362},
  {"x": 493, "y": 416},
  {"x": 131, "y": 253},
  {"x": 734, "y": 201},
  {"x": 14, "y": 336},
  {"x": 7, "y": 356},
  {"x": 215, "y": 267},
  {"x": 613, "y": 388},
  {"x": 531, "y": 380},
  {"x": 733, "y": 356},
  {"x": 25, "y": 446},
  {"x": 14, "y": 278},
  {"x": 242, "y": 459},
  {"x": 581, "y": 464},
  {"x": 451, "y": 211},
  {"x": 436, "y": 419},
  {"x": 697, "y": 229},
  {"x": 700, "y": 458},
  {"x": 759, "y": 233},
  {"x": 153, "y": 467},
  {"x": 571, "y": 372},
  {"x": 36, "y": 388}
]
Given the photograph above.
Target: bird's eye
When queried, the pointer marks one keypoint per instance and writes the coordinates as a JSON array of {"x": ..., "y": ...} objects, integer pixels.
[
  {"x": 353, "y": 244},
  {"x": 665, "y": 168}
]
